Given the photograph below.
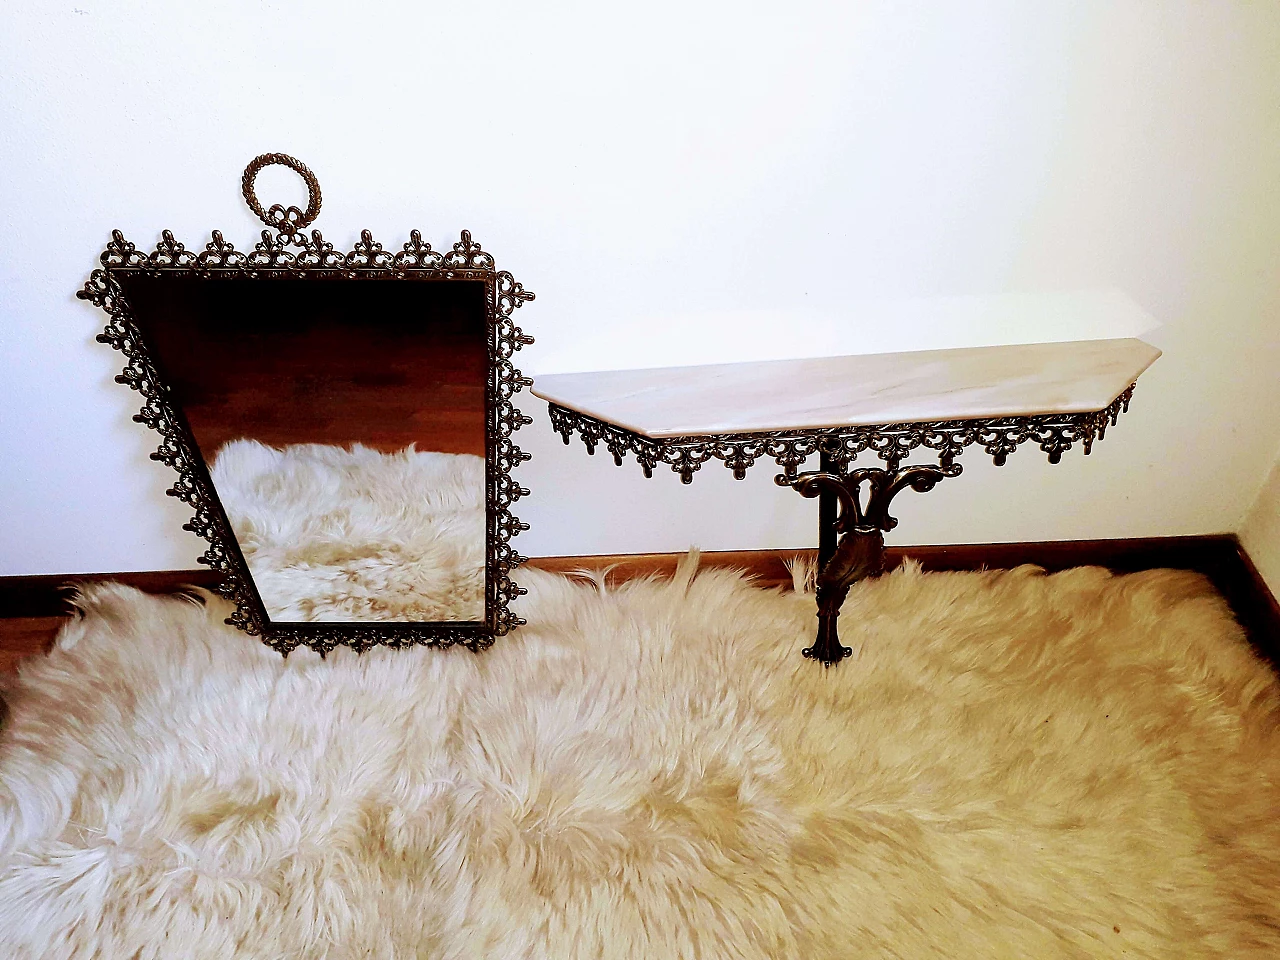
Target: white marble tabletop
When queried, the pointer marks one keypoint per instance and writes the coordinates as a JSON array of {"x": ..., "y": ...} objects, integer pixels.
[{"x": 1018, "y": 380}]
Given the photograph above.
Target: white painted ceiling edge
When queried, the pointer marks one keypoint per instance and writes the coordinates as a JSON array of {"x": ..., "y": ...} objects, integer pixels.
[{"x": 678, "y": 182}]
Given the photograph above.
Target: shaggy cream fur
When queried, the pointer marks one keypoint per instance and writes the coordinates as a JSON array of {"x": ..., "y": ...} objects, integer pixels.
[
  {"x": 334, "y": 534},
  {"x": 1016, "y": 765}
]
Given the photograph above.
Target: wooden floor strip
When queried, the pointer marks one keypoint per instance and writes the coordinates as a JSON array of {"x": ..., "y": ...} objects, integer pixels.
[{"x": 32, "y": 609}]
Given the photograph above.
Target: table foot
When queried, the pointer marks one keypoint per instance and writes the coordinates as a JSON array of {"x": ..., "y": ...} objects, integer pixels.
[{"x": 851, "y": 539}]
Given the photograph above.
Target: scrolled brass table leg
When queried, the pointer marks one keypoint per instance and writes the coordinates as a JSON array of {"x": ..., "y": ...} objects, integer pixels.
[{"x": 850, "y": 537}]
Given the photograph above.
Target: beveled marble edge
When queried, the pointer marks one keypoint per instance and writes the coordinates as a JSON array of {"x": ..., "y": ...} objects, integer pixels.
[{"x": 968, "y": 383}]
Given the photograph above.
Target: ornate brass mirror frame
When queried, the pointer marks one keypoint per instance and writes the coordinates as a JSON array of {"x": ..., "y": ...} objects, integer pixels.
[{"x": 285, "y": 250}]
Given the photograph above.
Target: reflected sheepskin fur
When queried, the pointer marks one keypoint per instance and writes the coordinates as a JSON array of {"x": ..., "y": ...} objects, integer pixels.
[
  {"x": 1015, "y": 765},
  {"x": 334, "y": 534}
]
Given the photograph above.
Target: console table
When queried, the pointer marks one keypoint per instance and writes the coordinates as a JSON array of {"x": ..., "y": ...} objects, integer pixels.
[{"x": 1055, "y": 395}]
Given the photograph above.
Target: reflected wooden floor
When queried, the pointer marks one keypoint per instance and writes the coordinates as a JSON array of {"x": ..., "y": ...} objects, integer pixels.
[{"x": 382, "y": 363}]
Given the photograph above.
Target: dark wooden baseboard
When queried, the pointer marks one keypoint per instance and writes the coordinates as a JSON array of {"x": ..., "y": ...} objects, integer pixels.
[
  {"x": 46, "y": 596},
  {"x": 768, "y": 567},
  {"x": 1209, "y": 555},
  {"x": 1220, "y": 558}
]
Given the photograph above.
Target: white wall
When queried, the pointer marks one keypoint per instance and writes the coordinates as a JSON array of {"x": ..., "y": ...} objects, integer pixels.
[
  {"x": 1260, "y": 532},
  {"x": 678, "y": 183}
]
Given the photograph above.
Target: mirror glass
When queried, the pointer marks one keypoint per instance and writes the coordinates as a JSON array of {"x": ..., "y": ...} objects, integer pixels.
[{"x": 342, "y": 424}]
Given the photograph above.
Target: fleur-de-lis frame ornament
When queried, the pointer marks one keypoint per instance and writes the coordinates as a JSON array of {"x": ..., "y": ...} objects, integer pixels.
[{"x": 287, "y": 250}]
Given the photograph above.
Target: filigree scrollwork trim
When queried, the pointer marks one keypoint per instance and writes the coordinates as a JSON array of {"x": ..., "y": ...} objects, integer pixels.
[
  {"x": 891, "y": 443},
  {"x": 882, "y": 486},
  {"x": 291, "y": 252}
]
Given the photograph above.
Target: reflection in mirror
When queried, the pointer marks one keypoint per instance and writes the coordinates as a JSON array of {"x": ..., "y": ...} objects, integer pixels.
[{"x": 343, "y": 427}]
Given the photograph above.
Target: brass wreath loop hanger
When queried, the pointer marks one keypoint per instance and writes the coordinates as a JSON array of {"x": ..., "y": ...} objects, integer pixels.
[{"x": 287, "y": 220}]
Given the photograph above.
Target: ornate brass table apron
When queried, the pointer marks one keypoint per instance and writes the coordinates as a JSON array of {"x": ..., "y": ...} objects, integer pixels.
[{"x": 853, "y": 503}]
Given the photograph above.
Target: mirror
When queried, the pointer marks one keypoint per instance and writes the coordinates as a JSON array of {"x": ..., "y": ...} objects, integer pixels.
[
  {"x": 342, "y": 425},
  {"x": 340, "y": 422}
]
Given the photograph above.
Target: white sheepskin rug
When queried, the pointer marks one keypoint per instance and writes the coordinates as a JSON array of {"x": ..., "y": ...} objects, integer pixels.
[
  {"x": 1016, "y": 765},
  {"x": 335, "y": 534}
]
